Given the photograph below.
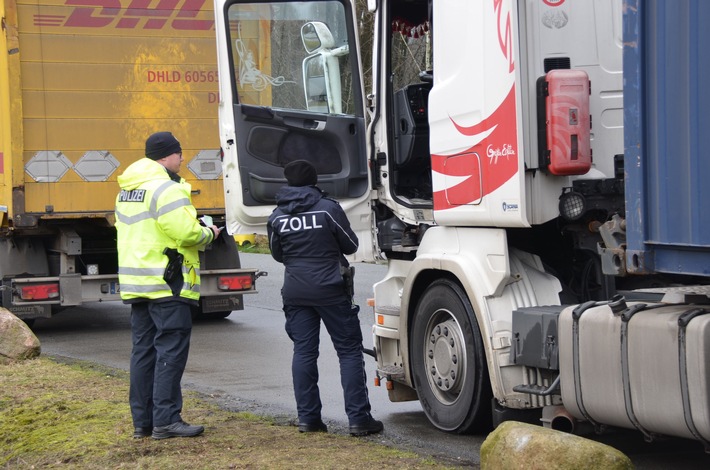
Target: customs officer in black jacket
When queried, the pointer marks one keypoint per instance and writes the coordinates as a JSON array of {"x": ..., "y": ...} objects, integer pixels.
[{"x": 309, "y": 233}]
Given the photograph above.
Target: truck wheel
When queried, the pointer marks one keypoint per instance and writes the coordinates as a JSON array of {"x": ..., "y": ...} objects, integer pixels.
[{"x": 449, "y": 362}]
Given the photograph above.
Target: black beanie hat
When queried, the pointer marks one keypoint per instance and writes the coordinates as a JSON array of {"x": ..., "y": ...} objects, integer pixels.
[
  {"x": 300, "y": 173},
  {"x": 161, "y": 144}
]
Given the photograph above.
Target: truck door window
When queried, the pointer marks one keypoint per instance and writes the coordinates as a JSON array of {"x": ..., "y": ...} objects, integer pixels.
[
  {"x": 296, "y": 95},
  {"x": 292, "y": 55},
  {"x": 411, "y": 52}
]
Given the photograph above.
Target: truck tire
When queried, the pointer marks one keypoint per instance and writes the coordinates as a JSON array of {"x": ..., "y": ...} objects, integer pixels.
[{"x": 448, "y": 361}]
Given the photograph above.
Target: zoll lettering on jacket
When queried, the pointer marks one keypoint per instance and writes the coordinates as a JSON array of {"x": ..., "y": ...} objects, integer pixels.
[{"x": 297, "y": 223}]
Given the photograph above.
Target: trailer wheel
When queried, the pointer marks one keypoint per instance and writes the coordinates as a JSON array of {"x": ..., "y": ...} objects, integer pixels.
[
  {"x": 449, "y": 362},
  {"x": 216, "y": 315},
  {"x": 199, "y": 315}
]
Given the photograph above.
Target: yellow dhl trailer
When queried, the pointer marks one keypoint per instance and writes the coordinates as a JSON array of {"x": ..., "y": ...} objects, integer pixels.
[{"x": 82, "y": 85}]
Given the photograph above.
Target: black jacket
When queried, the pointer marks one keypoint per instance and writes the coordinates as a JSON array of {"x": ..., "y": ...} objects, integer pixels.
[{"x": 309, "y": 233}]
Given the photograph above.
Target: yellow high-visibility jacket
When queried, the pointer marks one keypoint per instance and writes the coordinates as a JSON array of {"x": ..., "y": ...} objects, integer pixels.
[{"x": 154, "y": 212}]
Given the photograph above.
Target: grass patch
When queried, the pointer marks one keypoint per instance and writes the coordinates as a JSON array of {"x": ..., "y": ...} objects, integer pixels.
[
  {"x": 76, "y": 415},
  {"x": 260, "y": 245}
]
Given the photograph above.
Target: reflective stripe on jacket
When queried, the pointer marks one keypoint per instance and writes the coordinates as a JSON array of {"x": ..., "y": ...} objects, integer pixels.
[{"x": 154, "y": 212}]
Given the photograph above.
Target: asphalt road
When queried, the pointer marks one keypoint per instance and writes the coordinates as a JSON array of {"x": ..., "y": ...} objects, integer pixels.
[{"x": 244, "y": 361}]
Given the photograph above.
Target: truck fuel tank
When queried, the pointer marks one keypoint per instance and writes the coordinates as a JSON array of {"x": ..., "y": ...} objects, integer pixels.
[{"x": 638, "y": 365}]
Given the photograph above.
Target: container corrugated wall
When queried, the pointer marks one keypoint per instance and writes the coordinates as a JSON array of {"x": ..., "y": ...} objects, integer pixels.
[{"x": 667, "y": 135}]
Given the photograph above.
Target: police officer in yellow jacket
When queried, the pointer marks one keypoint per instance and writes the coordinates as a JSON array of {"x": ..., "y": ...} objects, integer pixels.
[{"x": 159, "y": 238}]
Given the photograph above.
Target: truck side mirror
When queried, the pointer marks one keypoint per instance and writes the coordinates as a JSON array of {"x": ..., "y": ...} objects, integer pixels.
[
  {"x": 321, "y": 68},
  {"x": 315, "y": 36}
]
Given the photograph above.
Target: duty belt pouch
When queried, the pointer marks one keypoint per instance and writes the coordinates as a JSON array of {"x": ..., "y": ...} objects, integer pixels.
[
  {"x": 348, "y": 273},
  {"x": 173, "y": 271}
]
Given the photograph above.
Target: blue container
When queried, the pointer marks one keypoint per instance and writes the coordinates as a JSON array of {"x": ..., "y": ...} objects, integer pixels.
[{"x": 667, "y": 135}]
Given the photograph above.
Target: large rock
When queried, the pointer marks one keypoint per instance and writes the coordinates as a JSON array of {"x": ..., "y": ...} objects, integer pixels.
[
  {"x": 17, "y": 341},
  {"x": 515, "y": 445}
]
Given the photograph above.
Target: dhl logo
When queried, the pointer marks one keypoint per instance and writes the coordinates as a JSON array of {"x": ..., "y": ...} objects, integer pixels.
[{"x": 176, "y": 14}]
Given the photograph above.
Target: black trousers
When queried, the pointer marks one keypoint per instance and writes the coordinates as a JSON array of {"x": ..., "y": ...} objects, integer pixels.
[
  {"x": 160, "y": 333},
  {"x": 343, "y": 325}
]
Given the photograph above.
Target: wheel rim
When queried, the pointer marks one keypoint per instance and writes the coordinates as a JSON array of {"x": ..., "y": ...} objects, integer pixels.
[{"x": 445, "y": 357}]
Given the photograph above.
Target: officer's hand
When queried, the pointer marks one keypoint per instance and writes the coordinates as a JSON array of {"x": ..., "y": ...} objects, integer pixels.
[{"x": 216, "y": 231}]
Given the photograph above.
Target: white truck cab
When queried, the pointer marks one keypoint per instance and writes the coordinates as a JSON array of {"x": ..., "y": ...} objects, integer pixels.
[{"x": 485, "y": 165}]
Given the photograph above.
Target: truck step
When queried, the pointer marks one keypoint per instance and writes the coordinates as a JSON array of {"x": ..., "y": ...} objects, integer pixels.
[
  {"x": 540, "y": 390},
  {"x": 391, "y": 372}
]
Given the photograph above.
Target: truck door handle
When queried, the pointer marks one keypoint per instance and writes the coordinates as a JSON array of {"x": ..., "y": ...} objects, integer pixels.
[
  {"x": 308, "y": 124},
  {"x": 314, "y": 125}
]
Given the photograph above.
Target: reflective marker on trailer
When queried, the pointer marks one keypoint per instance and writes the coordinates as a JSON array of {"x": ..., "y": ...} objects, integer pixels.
[
  {"x": 39, "y": 292},
  {"x": 239, "y": 282}
]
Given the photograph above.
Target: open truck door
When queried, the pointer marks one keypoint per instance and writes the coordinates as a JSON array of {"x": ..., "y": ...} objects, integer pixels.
[{"x": 291, "y": 88}]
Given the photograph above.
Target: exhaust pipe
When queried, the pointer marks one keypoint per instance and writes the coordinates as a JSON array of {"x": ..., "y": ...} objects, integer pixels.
[{"x": 559, "y": 419}]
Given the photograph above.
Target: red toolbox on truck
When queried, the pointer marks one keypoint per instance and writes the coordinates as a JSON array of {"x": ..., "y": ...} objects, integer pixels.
[{"x": 564, "y": 122}]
